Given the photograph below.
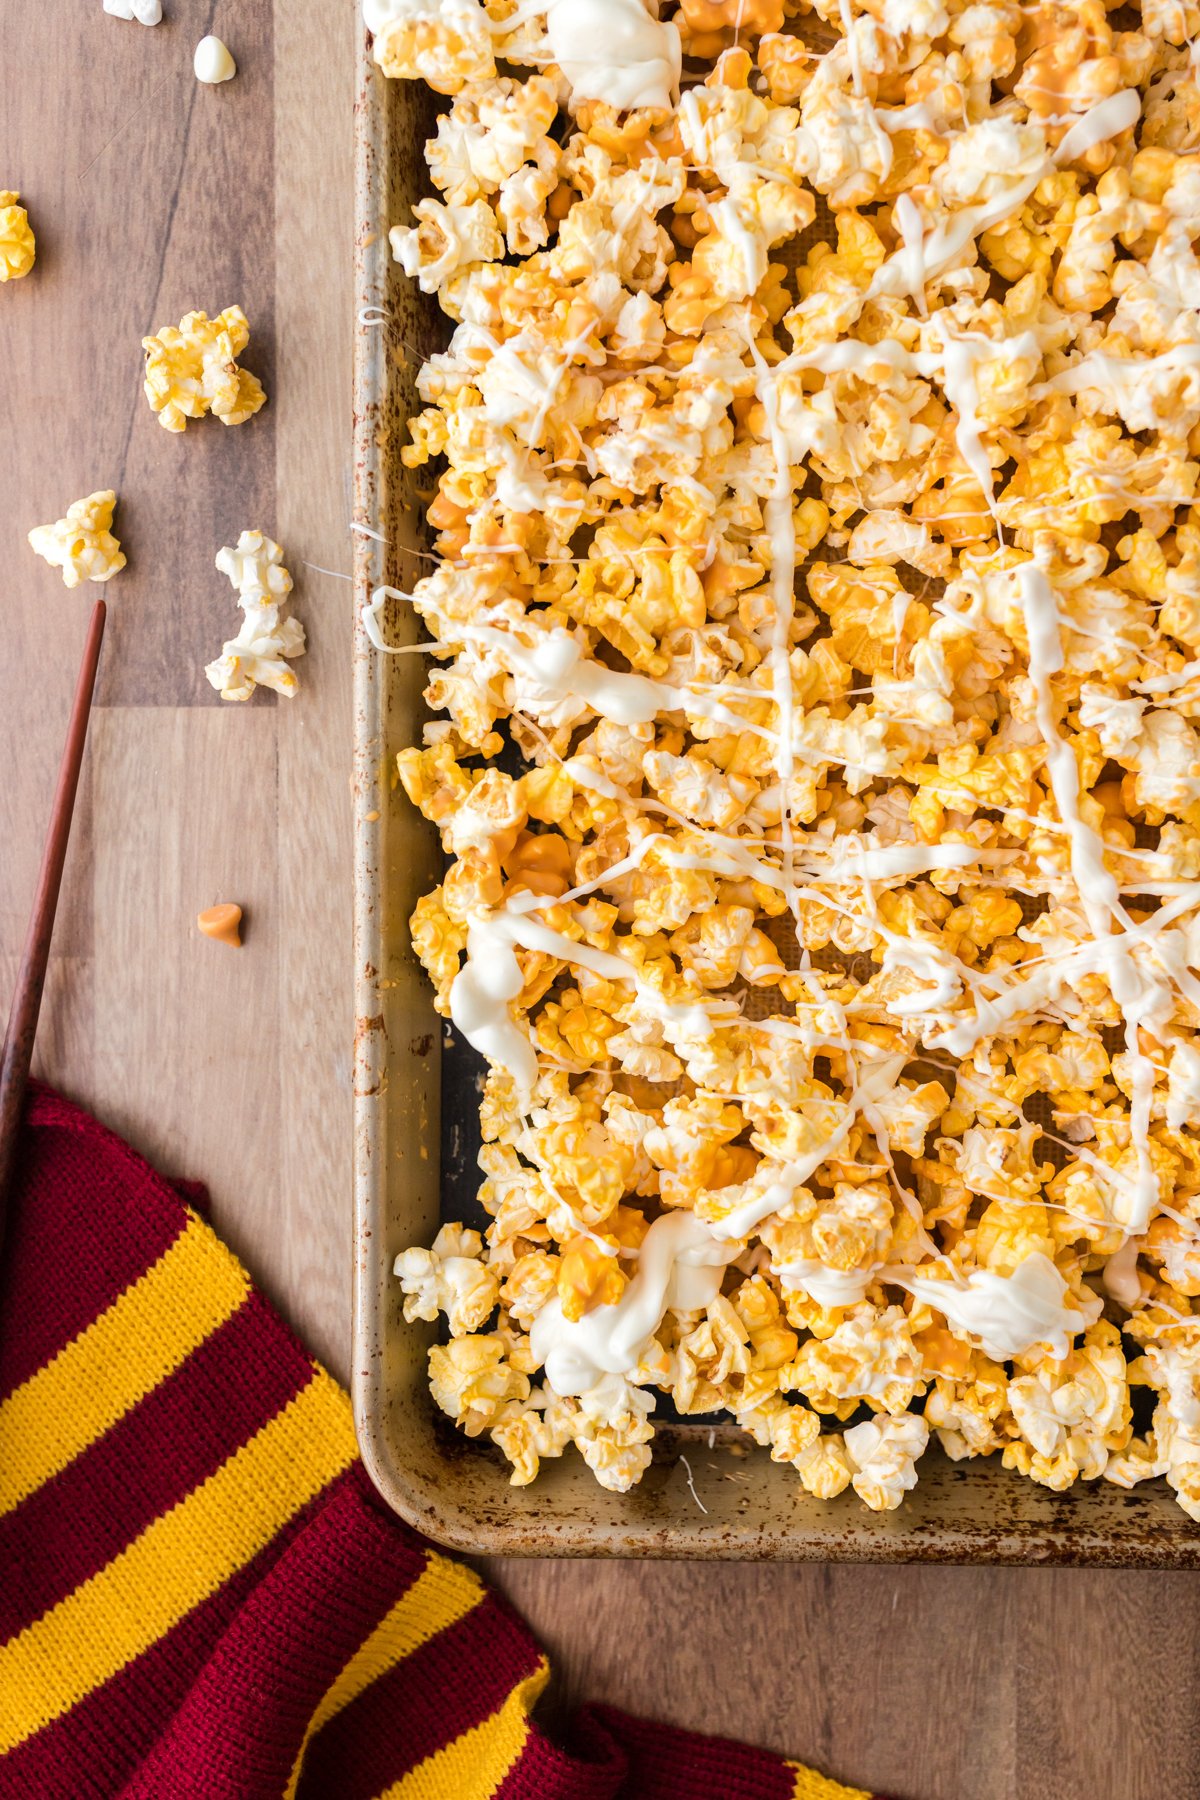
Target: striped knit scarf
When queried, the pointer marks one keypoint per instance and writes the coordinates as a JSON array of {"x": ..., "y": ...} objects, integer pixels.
[{"x": 200, "y": 1594}]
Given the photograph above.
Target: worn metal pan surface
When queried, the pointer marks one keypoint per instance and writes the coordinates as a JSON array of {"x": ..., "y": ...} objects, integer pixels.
[{"x": 707, "y": 1493}]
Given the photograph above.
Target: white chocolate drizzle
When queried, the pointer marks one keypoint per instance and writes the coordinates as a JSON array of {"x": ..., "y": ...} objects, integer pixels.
[
  {"x": 934, "y": 251},
  {"x": 781, "y": 529},
  {"x": 680, "y": 1264},
  {"x": 953, "y": 364},
  {"x": 1099, "y": 894},
  {"x": 614, "y": 51},
  {"x": 1009, "y": 1314},
  {"x": 491, "y": 978}
]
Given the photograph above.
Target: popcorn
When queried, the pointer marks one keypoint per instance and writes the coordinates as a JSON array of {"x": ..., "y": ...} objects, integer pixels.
[
  {"x": 258, "y": 655},
  {"x": 528, "y": 1430},
  {"x": 882, "y": 1454},
  {"x": 1072, "y": 1415},
  {"x": 471, "y": 1380},
  {"x": 710, "y": 23},
  {"x": 617, "y": 1467},
  {"x": 490, "y": 134},
  {"x": 82, "y": 545},
  {"x": 448, "y": 238},
  {"x": 146, "y": 12},
  {"x": 446, "y": 43},
  {"x": 1172, "y": 1447},
  {"x": 17, "y": 248},
  {"x": 824, "y": 1467},
  {"x": 833, "y": 949},
  {"x": 193, "y": 369},
  {"x": 449, "y": 1279},
  {"x": 967, "y": 1405},
  {"x": 867, "y": 1357}
]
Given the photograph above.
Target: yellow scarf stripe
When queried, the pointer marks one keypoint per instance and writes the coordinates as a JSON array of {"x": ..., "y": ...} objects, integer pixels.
[
  {"x": 176, "y": 1563},
  {"x": 474, "y": 1765},
  {"x": 443, "y": 1593},
  {"x": 95, "y": 1380},
  {"x": 808, "y": 1785}
]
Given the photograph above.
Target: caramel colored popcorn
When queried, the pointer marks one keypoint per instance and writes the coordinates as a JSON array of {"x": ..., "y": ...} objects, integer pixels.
[
  {"x": 192, "y": 370},
  {"x": 814, "y": 448}
]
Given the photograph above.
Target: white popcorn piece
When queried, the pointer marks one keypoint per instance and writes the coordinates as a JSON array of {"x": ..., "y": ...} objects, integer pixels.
[
  {"x": 883, "y": 1454},
  {"x": 449, "y": 1279},
  {"x": 258, "y": 656},
  {"x": 447, "y": 240}
]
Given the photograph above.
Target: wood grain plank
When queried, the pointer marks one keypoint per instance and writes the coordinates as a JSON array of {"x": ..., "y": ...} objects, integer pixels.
[
  {"x": 186, "y": 1053},
  {"x": 1106, "y": 1685},
  {"x": 314, "y": 261},
  {"x": 881, "y": 1677},
  {"x": 149, "y": 195},
  {"x": 63, "y": 1051},
  {"x": 33, "y": 725}
]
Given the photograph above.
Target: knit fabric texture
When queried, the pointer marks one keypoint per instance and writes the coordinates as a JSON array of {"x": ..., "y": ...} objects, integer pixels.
[{"x": 201, "y": 1595}]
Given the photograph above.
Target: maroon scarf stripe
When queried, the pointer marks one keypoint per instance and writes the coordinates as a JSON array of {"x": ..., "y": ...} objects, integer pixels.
[
  {"x": 455, "y": 1681},
  {"x": 598, "y": 1770},
  {"x": 668, "y": 1764},
  {"x": 94, "y": 1749},
  {"x": 315, "y": 1607},
  {"x": 79, "y": 1233},
  {"x": 168, "y": 1444}
]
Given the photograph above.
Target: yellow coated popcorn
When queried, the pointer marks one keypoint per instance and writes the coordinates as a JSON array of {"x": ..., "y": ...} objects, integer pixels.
[
  {"x": 192, "y": 369},
  {"x": 82, "y": 545},
  {"x": 1072, "y": 1415},
  {"x": 471, "y": 1380},
  {"x": 17, "y": 248},
  {"x": 446, "y": 43},
  {"x": 528, "y": 1430},
  {"x": 812, "y": 456}
]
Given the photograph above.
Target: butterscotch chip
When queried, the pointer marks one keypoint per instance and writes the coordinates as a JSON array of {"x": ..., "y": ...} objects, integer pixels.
[{"x": 223, "y": 923}]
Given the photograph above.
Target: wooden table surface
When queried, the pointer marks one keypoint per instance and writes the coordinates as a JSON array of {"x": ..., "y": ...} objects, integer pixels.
[{"x": 151, "y": 195}]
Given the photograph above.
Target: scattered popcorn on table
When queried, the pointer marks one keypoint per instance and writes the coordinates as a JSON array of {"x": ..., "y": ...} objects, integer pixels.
[
  {"x": 193, "y": 370},
  {"x": 146, "y": 12},
  {"x": 18, "y": 251},
  {"x": 257, "y": 656},
  {"x": 818, "y": 452},
  {"x": 82, "y": 545}
]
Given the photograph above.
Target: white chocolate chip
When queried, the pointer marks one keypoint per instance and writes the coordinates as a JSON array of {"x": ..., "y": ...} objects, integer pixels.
[
  {"x": 212, "y": 62},
  {"x": 146, "y": 12}
]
